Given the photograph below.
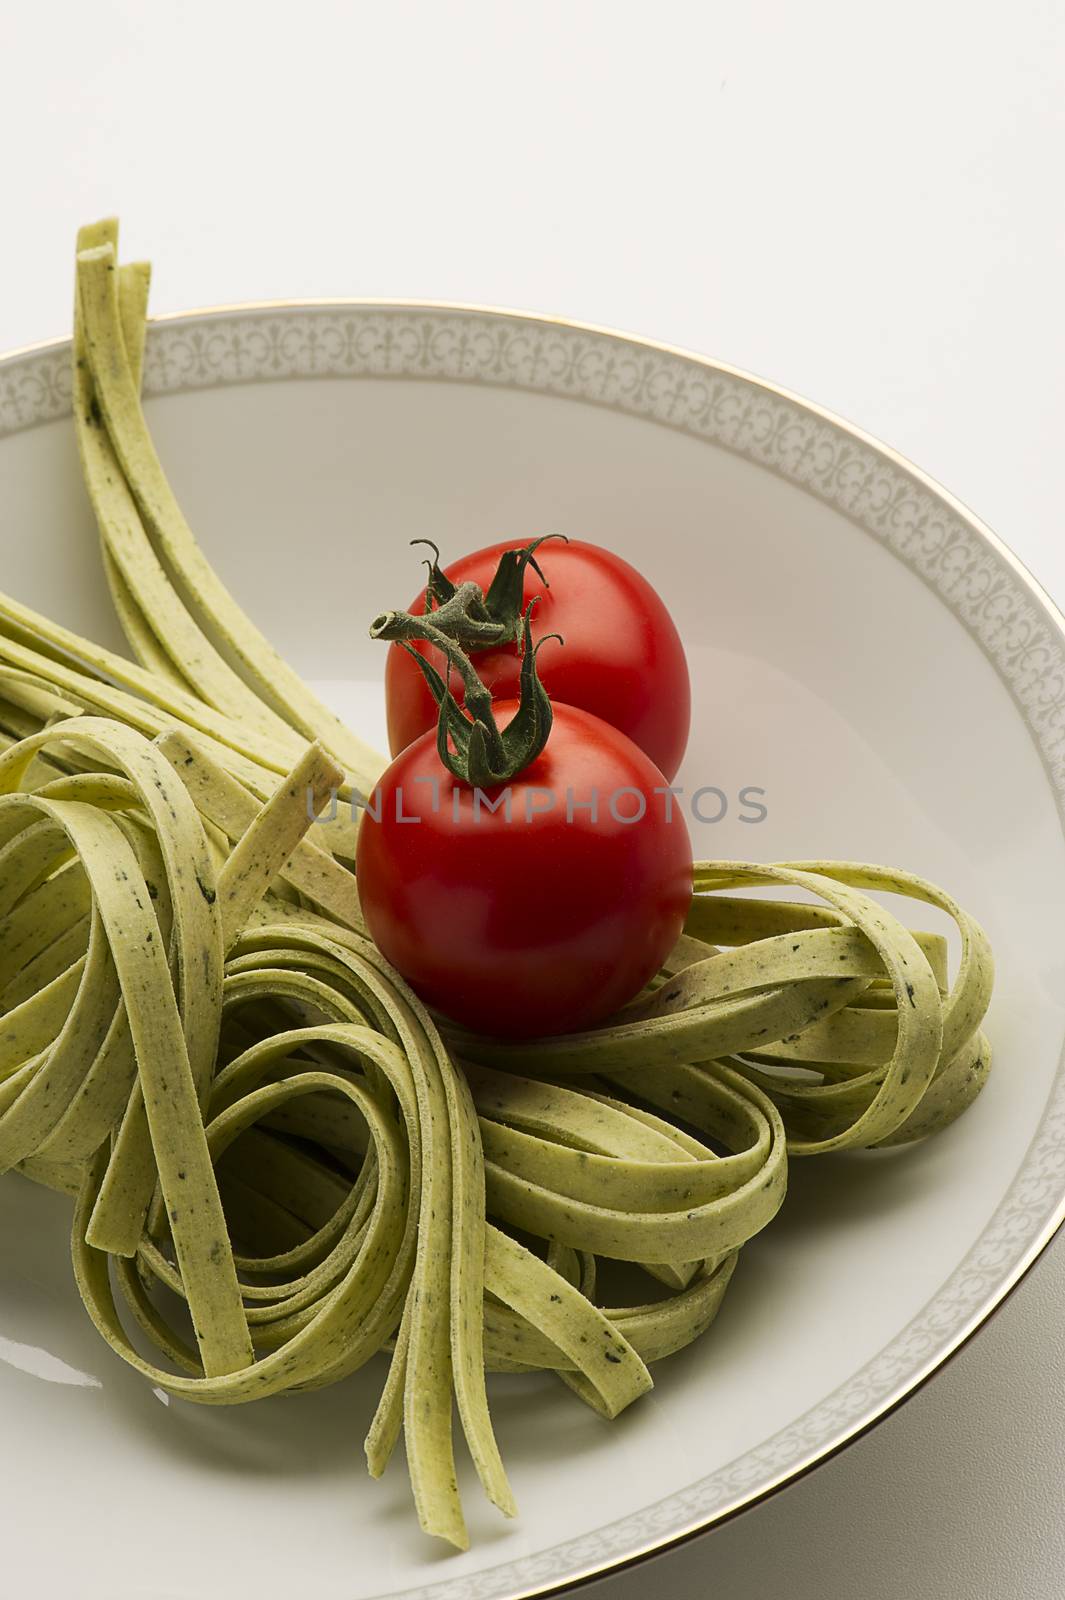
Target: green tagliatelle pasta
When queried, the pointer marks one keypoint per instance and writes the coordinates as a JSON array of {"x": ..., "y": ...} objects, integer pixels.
[
  {"x": 314, "y": 1184},
  {"x": 888, "y": 1051},
  {"x": 250, "y": 1109},
  {"x": 183, "y": 601}
]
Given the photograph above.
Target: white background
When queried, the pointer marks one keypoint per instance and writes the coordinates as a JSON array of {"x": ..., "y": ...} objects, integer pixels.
[{"x": 861, "y": 203}]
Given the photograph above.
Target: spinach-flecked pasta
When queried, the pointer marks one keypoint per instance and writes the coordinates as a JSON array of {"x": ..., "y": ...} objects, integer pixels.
[{"x": 255, "y": 1112}]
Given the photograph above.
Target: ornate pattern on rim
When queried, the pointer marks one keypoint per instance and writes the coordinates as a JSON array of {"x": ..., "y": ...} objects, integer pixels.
[{"x": 948, "y": 551}]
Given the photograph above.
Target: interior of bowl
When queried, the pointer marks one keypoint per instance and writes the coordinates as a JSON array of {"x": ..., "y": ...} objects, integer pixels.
[{"x": 877, "y": 719}]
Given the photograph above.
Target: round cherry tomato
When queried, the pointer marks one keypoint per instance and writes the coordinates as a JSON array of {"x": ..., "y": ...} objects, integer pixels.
[
  {"x": 545, "y": 914},
  {"x": 622, "y": 658}
]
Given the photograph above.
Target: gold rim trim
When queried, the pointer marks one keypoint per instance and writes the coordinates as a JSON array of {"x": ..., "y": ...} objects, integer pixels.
[{"x": 906, "y": 1390}]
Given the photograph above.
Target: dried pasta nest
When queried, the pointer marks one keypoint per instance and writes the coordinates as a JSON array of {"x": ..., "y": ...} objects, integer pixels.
[
  {"x": 844, "y": 1018},
  {"x": 253, "y": 1111}
]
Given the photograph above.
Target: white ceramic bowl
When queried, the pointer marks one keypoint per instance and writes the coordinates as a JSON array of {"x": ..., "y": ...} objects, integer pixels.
[{"x": 862, "y": 649}]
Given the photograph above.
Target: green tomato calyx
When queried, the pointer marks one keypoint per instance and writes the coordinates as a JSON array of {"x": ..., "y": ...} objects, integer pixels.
[
  {"x": 480, "y": 620},
  {"x": 469, "y": 741}
]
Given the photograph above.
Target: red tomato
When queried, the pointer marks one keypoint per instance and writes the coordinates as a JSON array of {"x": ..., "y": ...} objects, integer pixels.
[
  {"x": 622, "y": 658},
  {"x": 542, "y": 924}
]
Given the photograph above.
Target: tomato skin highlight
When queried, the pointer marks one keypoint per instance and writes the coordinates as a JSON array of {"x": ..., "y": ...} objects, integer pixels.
[
  {"x": 542, "y": 924},
  {"x": 622, "y": 659}
]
